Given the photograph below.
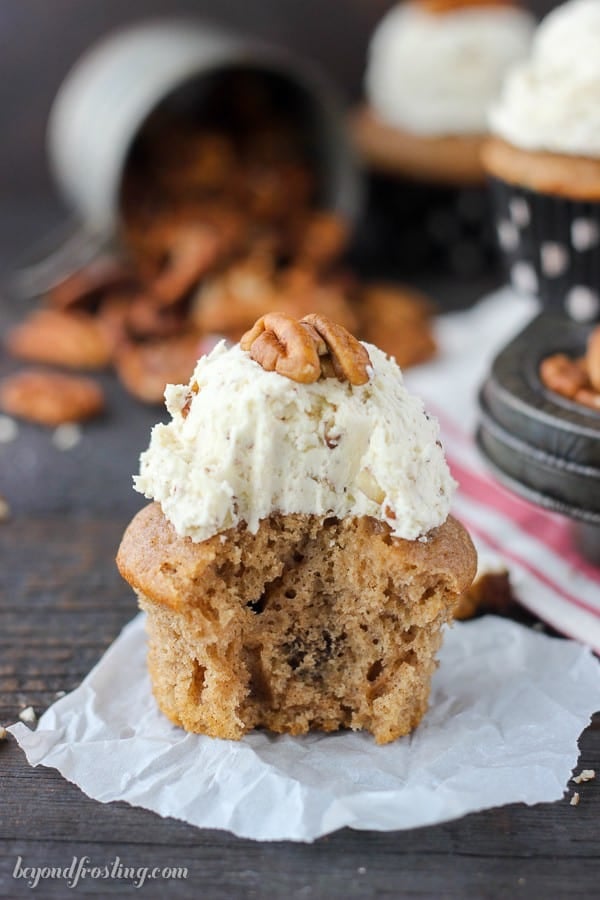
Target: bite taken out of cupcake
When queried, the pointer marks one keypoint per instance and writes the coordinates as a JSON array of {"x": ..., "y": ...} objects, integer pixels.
[
  {"x": 544, "y": 163},
  {"x": 299, "y": 560}
]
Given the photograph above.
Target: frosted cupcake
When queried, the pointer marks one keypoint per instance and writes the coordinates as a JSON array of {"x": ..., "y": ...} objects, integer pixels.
[
  {"x": 299, "y": 560},
  {"x": 433, "y": 69},
  {"x": 544, "y": 160}
]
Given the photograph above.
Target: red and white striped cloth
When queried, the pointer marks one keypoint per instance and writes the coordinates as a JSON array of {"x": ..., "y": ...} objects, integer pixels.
[{"x": 549, "y": 576}]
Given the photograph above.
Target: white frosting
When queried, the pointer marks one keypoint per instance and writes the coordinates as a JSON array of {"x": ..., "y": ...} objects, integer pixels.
[
  {"x": 254, "y": 442},
  {"x": 552, "y": 101},
  {"x": 438, "y": 74}
]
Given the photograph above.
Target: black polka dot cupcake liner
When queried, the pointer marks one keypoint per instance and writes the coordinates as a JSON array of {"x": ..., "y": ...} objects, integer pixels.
[
  {"x": 551, "y": 247},
  {"x": 413, "y": 227}
]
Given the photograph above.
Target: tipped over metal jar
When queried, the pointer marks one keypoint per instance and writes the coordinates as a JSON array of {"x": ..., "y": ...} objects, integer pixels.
[{"x": 116, "y": 87}]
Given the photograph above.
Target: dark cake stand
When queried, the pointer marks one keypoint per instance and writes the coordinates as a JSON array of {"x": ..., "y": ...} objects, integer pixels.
[{"x": 542, "y": 446}]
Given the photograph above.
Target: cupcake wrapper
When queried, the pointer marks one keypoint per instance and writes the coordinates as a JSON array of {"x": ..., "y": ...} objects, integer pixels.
[
  {"x": 413, "y": 227},
  {"x": 551, "y": 247}
]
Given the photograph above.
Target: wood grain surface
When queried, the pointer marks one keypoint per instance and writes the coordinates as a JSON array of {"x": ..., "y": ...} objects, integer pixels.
[{"x": 62, "y": 601}]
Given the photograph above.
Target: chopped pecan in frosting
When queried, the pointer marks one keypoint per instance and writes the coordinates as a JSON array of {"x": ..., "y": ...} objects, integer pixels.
[{"x": 185, "y": 409}]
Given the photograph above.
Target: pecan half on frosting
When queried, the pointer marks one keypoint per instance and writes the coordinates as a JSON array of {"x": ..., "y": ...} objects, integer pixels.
[{"x": 307, "y": 350}]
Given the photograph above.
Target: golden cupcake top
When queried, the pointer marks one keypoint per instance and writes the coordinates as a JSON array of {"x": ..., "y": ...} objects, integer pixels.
[{"x": 551, "y": 102}]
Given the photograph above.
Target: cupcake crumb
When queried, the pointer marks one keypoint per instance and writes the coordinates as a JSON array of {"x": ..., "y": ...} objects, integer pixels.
[
  {"x": 4, "y": 509},
  {"x": 584, "y": 775},
  {"x": 574, "y": 801},
  {"x": 66, "y": 436},
  {"x": 8, "y": 429},
  {"x": 28, "y": 715}
]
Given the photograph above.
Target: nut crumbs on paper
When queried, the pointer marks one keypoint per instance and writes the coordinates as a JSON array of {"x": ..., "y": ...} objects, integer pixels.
[
  {"x": 584, "y": 775},
  {"x": 28, "y": 715},
  {"x": 4, "y": 510}
]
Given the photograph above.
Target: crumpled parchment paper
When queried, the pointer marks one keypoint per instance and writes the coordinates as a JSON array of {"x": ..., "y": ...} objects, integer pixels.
[{"x": 507, "y": 707}]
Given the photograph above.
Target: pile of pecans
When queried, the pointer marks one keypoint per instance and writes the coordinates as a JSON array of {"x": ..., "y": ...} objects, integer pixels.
[
  {"x": 218, "y": 230},
  {"x": 577, "y": 379}
]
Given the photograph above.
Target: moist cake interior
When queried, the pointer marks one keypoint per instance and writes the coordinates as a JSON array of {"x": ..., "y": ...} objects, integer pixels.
[{"x": 312, "y": 623}]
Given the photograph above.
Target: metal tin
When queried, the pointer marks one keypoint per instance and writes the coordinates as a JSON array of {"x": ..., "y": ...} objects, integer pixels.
[
  {"x": 567, "y": 486},
  {"x": 116, "y": 85},
  {"x": 540, "y": 445},
  {"x": 517, "y": 400},
  {"x": 514, "y": 472}
]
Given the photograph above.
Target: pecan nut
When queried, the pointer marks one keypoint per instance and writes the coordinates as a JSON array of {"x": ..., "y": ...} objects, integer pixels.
[
  {"x": 593, "y": 358},
  {"x": 145, "y": 369},
  {"x": 587, "y": 397},
  {"x": 192, "y": 252},
  {"x": 50, "y": 398},
  {"x": 399, "y": 321},
  {"x": 563, "y": 375},
  {"x": 306, "y": 350},
  {"x": 70, "y": 339},
  {"x": 84, "y": 287},
  {"x": 230, "y": 302},
  {"x": 323, "y": 240},
  {"x": 349, "y": 358},
  {"x": 279, "y": 344}
]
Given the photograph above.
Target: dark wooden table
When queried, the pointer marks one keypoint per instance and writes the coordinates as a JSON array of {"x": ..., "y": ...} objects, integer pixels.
[{"x": 62, "y": 603}]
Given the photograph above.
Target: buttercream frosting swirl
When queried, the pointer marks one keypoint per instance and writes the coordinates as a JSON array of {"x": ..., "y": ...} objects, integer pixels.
[
  {"x": 551, "y": 102},
  {"x": 438, "y": 74}
]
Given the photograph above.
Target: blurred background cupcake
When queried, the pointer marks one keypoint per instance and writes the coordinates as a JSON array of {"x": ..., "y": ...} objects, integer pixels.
[
  {"x": 544, "y": 163},
  {"x": 434, "y": 67}
]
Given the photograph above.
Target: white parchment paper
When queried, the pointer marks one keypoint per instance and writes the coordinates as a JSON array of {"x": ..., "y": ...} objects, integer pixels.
[{"x": 507, "y": 708}]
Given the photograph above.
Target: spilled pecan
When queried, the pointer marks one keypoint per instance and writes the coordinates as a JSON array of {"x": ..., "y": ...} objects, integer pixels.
[
  {"x": 593, "y": 357},
  {"x": 192, "y": 252},
  {"x": 563, "y": 375},
  {"x": 50, "y": 398},
  {"x": 145, "y": 369},
  {"x": 587, "y": 397},
  {"x": 323, "y": 239},
  {"x": 399, "y": 322},
  {"x": 71, "y": 339}
]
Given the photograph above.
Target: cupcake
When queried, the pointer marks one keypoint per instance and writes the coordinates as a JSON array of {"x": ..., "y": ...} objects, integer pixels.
[
  {"x": 544, "y": 163},
  {"x": 433, "y": 69},
  {"x": 298, "y": 561}
]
